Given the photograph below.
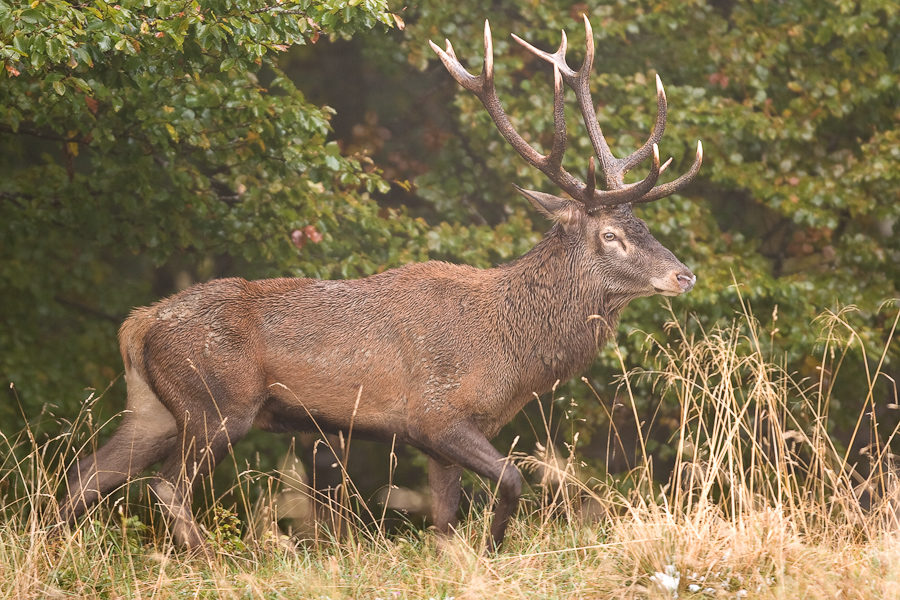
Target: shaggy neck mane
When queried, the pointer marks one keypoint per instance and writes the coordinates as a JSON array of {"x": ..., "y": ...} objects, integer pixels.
[{"x": 553, "y": 312}]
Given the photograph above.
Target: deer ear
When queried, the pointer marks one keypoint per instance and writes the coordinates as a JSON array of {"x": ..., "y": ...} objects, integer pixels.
[{"x": 552, "y": 207}]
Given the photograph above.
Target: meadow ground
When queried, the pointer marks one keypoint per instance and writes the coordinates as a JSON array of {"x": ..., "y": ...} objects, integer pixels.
[{"x": 763, "y": 503}]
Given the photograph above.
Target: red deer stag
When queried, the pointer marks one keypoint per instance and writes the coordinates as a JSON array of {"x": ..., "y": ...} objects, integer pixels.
[{"x": 435, "y": 355}]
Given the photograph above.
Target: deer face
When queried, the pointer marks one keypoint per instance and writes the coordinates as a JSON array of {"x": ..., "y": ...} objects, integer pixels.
[
  {"x": 620, "y": 247},
  {"x": 616, "y": 248}
]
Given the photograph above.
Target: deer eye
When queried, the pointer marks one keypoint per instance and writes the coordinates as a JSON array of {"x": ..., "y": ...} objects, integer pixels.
[{"x": 609, "y": 237}]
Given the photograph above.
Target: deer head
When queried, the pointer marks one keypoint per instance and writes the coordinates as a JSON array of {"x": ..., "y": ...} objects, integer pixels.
[{"x": 598, "y": 223}]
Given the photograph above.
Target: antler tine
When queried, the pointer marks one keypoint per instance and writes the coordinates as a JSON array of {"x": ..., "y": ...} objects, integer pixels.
[
  {"x": 579, "y": 81},
  {"x": 667, "y": 189},
  {"x": 483, "y": 88},
  {"x": 642, "y": 153},
  {"x": 581, "y": 84},
  {"x": 463, "y": 77},
  {"x": 591, "y": 179},
  {"x": 558, "y": 58},
  {"x": 554, "y": 159},
  {"x": 488, "y": 70},
  {"x": 628, "y": 192}
]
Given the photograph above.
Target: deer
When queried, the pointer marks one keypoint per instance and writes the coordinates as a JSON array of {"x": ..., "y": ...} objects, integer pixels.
[{"x": 433, "y": 355}]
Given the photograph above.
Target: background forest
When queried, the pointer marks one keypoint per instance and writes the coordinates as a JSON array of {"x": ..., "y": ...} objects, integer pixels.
[{"x": 148, "y": 146}]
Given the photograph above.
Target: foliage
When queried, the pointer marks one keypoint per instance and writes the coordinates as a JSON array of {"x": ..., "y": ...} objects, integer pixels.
[{"x": 226, "y": 531}]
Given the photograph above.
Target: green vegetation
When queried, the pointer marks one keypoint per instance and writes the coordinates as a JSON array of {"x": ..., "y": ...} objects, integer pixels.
[
  {"x": 796, "y": 105},
  {"x": 138, "y": 136}
]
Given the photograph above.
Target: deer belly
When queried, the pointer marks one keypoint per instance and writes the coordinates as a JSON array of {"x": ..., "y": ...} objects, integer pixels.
[{"x": 332, "y": 409}]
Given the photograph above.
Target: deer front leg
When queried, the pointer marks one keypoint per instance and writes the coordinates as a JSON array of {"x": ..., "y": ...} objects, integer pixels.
[{"x": 464, "y": 445}]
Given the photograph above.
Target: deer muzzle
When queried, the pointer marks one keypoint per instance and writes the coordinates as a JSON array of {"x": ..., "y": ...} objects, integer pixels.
[{"x": 675, "y": 283}]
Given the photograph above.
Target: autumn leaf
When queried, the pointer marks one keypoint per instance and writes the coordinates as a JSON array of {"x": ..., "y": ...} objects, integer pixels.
[
  {"x": 313, "y": 234},
  {"x": 309, "y": 233}
]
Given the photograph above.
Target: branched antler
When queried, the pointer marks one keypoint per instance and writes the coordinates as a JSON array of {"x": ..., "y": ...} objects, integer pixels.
[{"x": 614, "y": 169}]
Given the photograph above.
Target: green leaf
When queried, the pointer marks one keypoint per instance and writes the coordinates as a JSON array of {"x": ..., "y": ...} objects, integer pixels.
[
  {"x": 31, "y": 16},
  {"x": 84, "y": 56}
]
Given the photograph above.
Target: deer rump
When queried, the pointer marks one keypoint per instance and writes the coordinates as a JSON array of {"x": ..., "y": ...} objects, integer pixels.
[{"x": 434, "y": 355}]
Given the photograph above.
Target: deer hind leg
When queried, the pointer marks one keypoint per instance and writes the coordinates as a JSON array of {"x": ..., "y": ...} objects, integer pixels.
[
  {"x": 147, "y": 434},
  {"x": 445, "y": 484},
  {"x": 206, "y": 440}
]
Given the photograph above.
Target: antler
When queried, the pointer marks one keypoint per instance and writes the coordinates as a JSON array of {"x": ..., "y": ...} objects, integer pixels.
[{"x": 614, "y": 169}]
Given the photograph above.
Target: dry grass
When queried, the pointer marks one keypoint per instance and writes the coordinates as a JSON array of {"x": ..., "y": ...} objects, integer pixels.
[{"x": 762, "y": 504}]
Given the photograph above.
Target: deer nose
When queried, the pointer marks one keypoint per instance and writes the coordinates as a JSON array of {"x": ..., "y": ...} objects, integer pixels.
[
  {"x": 676, "y": 282},
  {"x": 686, "y": 281}
]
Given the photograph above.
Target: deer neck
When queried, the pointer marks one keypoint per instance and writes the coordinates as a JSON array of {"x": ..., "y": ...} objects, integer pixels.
[{"x": 556, "y": 313}]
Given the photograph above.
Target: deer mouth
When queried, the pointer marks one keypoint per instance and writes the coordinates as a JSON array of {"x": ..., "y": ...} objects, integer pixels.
[{"x": 663, "y": 292}]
